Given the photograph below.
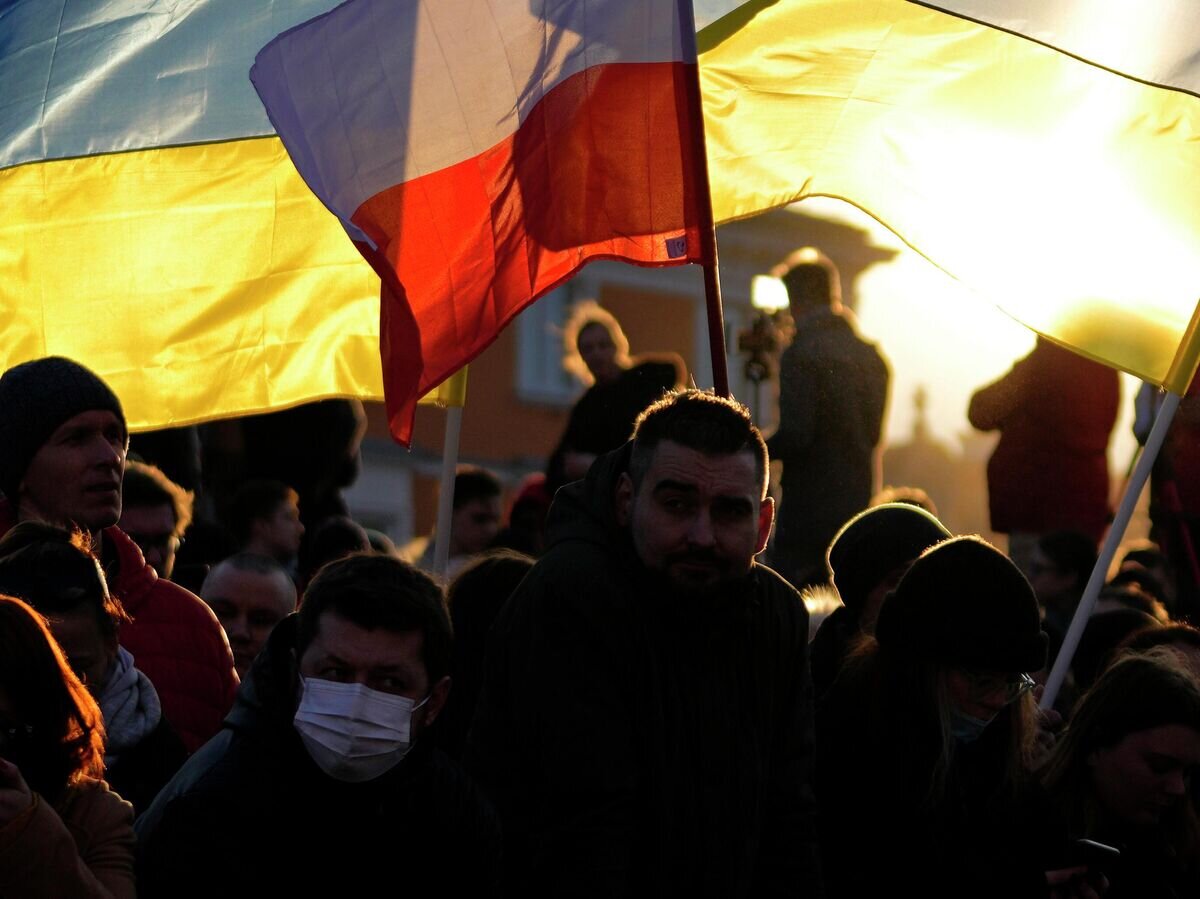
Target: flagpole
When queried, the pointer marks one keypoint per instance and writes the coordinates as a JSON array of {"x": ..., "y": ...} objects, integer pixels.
[
  {"x": 708, "y": 228},
  {"x": 441, "y": 535},
  {"x": 1133, "y": 491}
]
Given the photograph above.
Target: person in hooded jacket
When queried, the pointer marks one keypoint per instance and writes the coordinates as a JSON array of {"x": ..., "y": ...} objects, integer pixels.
[
  {"x": 645, "y": 721},
  {"x": 322, "y": 781},
  {"x": 925, "y": 740},
  {"x": 53, "y": 570}
]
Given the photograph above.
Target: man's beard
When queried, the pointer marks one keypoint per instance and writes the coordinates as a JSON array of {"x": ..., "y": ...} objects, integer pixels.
[{"x": 720, "y": 581}]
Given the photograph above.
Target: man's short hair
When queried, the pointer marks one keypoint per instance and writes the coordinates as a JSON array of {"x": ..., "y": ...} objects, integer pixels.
[
  {"x": 376, "y": 591},
  {"x": 146, "y": 485},
  {"x": 701, "y": 421},
  {"x": 254, "y": 501},
  {"x": 253, "y": 563},
  {"x": 811, "y": 278},
  {"x": 471, "y": 482}
]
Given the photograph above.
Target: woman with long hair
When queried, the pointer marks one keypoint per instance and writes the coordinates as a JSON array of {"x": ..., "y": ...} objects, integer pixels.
[
  {"x": 54, "y": 570},
  {"x": 925, "y": 741},
  {"x": 1121, "y": 774},
  {"x": 62, "y": 833}
]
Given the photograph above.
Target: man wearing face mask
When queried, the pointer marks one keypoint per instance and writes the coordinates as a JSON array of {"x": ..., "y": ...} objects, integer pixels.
[{"x": 320, "y": 780}]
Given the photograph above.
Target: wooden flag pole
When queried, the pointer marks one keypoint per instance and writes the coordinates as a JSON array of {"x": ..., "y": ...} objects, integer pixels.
[
  {"x": 708, "y": 228},
  {"x": 1133, "y": 490}
]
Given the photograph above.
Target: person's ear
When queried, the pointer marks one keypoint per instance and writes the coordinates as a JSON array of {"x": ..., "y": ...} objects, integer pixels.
[
  {"x": 437, "y": 700},
  {"x": 624, "y": 499},
  {"x": 766, "y": 518}
]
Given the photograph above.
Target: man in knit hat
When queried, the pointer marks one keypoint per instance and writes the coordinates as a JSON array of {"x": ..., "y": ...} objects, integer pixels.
[{"x": 62, "y": 456}]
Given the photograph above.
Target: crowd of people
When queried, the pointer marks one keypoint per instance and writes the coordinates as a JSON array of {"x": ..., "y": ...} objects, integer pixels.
[{"x": 611, "y": 695}]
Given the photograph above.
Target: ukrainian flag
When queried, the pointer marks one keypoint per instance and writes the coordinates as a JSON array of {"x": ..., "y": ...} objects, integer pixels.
[
  {"x": 1044, "y": 152},
  {"x": 154, "y": 227}
]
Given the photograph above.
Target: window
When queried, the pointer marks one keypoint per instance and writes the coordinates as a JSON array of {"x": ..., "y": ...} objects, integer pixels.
[{"x": 540, "y": 374}]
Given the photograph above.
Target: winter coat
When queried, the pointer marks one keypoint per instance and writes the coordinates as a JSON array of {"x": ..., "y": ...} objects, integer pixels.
[
  {"x": 833, "y": 389},
  {"x": 252, "y": 815},
  {"x": 139, "y": 773},
  {"x": 880, "y": 833},
  {"x": 1055, "y": 411},
  {"x": 81, "y": 848},
  {"x": 174, "y": 637},
  {"x": 638, "y": 744}
]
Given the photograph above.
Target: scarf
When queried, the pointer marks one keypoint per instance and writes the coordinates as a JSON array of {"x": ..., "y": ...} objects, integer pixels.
[{"x": 130, "y": 707}]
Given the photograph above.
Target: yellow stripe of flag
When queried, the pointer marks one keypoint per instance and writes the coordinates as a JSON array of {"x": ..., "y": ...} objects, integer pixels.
[{"x": 1064, "y": 192}]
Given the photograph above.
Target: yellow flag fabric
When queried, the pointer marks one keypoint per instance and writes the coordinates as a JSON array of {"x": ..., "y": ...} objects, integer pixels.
[
  {"x": 154, "y": 227},
  {"x": 451, "y": 392},
  {"x": 189, "y": 279},
  {"x": 1064, "y": 192}
]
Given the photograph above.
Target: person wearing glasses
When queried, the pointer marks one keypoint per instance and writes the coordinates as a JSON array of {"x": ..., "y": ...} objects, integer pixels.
[
  {"x": 925, "y": 740},
  {"x": 62, "y": 831}
]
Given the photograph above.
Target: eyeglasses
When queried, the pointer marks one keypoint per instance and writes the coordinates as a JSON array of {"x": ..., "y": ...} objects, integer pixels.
[{"x": 983, "y": 685}]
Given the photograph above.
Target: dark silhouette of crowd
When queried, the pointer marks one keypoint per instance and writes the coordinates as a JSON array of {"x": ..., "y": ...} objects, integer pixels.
[{"x": 215, "y": 681}]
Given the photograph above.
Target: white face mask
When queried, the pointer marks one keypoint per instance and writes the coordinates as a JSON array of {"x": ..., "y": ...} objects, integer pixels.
[{"x": 352, "y": 732}]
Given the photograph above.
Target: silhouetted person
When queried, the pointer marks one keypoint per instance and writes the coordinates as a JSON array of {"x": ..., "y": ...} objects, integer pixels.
[
  {"x": 1055, "y": 411},
  {"x": 833, "y": 388}
]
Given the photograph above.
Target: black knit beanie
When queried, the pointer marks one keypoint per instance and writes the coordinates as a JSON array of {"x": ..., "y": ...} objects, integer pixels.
[
  {"x": 874, "y": 543},
  {"x": 35, "y": 398},
  {"x": 964, "y": 603}
]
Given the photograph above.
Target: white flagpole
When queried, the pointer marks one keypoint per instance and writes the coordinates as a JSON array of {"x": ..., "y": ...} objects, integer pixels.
[
  {"x": 441, "y": 546},
  {"x": 1133, "y": 490}
]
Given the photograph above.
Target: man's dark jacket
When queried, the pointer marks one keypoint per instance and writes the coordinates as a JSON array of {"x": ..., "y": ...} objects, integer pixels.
[
  {"x": 833, "y": 389},
  {"x": 642, "y": 743},
  {"x": 251, "y": 815}
]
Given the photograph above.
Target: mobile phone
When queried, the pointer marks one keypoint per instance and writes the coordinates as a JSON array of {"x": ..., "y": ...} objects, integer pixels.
[{"x": 1095, "y": 855}]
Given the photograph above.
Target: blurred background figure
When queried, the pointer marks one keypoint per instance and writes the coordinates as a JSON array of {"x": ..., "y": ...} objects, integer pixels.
[
  {"x": 597, "y": 352},
  {"x": 62, "y": 832},
  {"x": 331, "y": 538},
  {"x": 250, "y": 594},
  {"x": 526, "y": 528},
  {"x": 1175, "y": 489},
  {"x": 264, "y": 519},
  {"x": 1121, "y": 775},
  {"x": 475, "y": 598},
  {"x": 474, "y": 522},
  {"x": 54, "y": 571},
  {"x": 1059, "y": 569},
  {"x": 833, "y": 389},
  {"x": 155, "y": 514},
  {"x": 1055, "y": 411}
]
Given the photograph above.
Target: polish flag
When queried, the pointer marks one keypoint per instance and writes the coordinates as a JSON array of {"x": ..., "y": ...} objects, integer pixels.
[{"x": 480, "y": 152}]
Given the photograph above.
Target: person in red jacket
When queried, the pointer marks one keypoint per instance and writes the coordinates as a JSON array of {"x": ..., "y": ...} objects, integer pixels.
[
  {"x": 1055, "y": 411},
  {"x": 63, "y": 442}
]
